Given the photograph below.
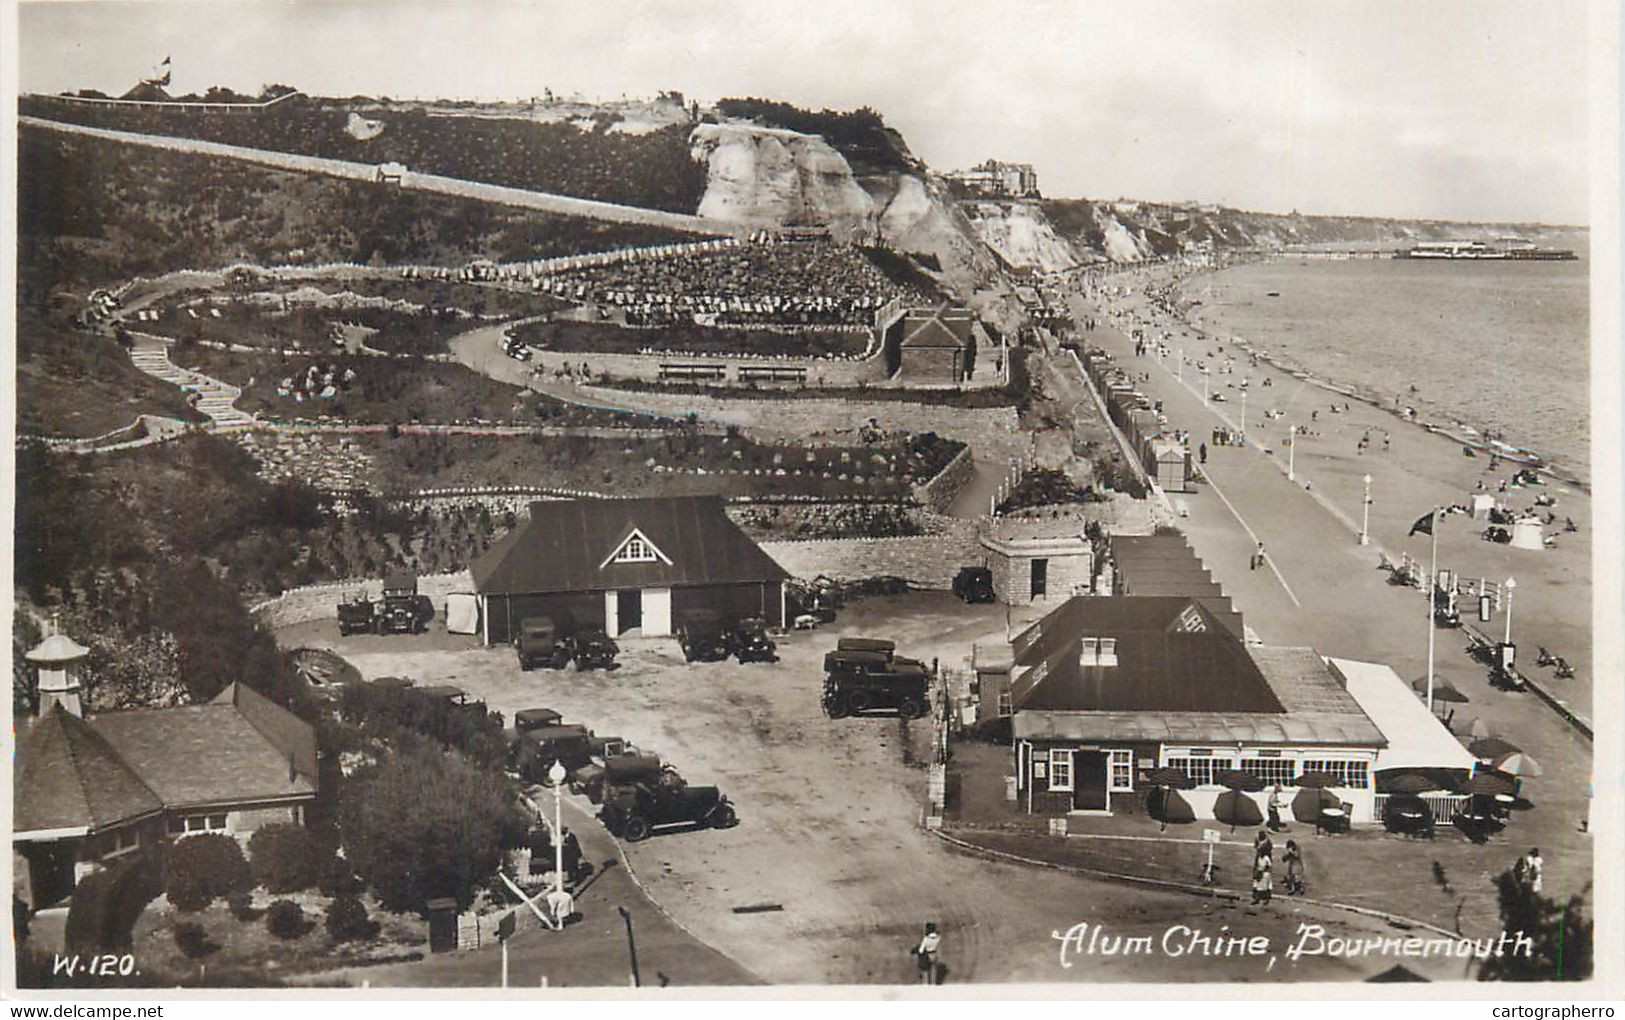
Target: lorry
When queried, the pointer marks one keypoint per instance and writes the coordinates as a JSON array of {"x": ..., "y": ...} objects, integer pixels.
[
  {"x": 863, "y": 674},
  {"x": 539, "y": 642},
  {"x": 640, "y": 795}
]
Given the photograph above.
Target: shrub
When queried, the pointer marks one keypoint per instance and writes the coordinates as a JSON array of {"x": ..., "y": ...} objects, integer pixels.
[
  {"x": 200, "y": 868},
  {"x": 347, "y": 920},
  {"x": 241, "y": 903},
  {"x": 285, "y": 857},
  {"x": 338, "y": 878},
  {"x": 285, "y": 919},
  {"x": 106, "y": 904},
  {"x": 192, "y": 940}
]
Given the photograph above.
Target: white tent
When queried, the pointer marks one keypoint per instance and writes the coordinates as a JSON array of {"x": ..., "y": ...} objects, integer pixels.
[
  {"x": 1416, "y": 738},
  {"x": 462, "y": 613}
]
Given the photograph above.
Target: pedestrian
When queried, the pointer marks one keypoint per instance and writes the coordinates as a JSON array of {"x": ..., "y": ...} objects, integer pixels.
[
  {"x": 1293, "y": 859},
  {"x": 1262, "y": 847},
  {"x": 1201, "y": 453},
  {"x": 1260, "y": 554},
  {"x": 1263, "y": 881},
  {"x": 1535, "y": 869},
  {"x": 925, "y": 953},
  {"x": 572, "y": 856},
  {"x": 1275, "y": 805}
]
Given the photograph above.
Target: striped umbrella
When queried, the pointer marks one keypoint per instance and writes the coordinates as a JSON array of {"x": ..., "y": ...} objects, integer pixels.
[{"x": 1520, "y": 764}]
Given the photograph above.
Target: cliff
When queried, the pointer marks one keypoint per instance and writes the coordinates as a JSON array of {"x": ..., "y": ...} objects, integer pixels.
[{"x": 774, "y": 177}]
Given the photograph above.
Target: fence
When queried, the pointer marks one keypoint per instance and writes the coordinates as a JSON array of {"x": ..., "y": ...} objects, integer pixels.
[{"x": 1445, "y": 806}]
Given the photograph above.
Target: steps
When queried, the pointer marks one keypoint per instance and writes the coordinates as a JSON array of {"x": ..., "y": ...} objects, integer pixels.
[{"x": 213, "y": 398}]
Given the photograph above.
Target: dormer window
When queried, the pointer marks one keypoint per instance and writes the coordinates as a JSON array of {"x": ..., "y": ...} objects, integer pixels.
[
  {"x": 1097, "y": 651},
  {"x": 1108, "y": 652},
  {"x": 636, "y": 550}
]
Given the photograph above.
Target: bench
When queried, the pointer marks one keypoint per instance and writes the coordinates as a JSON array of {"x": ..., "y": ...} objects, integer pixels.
[{"x": 772, "y": 373}]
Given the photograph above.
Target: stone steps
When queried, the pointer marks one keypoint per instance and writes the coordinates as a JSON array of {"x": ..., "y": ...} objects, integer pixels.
[{"x": 214, "y": 399}]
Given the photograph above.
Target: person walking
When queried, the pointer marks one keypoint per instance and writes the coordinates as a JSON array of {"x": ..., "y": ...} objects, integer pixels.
[
  {"x": 1201, "y": 453},
  {"x": 1292, "y": 858},
  {"x": 925, "y": 953},
  {"x": 1262, "y": 847},
  {"x": 1535, "y": 868},
  {"x": 1275, "y": 805}
]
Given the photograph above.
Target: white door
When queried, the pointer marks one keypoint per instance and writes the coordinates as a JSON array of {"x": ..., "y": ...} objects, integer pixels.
[
  {"x": 656, "y": 612},
  {"x": 612, "y": 613}
]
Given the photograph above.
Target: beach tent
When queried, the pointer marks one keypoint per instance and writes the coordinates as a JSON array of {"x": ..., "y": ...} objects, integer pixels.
[{"x": 462, "y": 613}]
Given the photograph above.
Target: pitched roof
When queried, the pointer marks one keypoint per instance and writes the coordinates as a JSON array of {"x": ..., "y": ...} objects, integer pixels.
[
  {"x": 68, "y": 777},
  {"x": 203, "y": 755},
  {"x": 568, "y": 545}
]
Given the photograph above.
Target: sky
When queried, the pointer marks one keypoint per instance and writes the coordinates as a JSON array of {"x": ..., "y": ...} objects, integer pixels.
[{"x": 1422, "y": 108}]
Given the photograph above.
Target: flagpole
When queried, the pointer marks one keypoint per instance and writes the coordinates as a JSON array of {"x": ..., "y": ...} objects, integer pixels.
[{"x": 1433, "y": 574}]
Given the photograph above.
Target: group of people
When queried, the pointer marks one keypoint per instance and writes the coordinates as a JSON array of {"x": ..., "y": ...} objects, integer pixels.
[{"x": 1264, "y": 868}]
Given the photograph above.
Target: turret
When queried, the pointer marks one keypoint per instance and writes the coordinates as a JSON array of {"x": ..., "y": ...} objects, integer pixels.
[{"x": 55, "y": 660}]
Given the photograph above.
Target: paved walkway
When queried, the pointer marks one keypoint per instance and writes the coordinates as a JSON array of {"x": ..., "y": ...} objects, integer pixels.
[{"x": 215, "y": 399}]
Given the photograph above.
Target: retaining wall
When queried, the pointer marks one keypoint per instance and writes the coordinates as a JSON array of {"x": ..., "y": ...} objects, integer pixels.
[
  {"x": 938, "y": 494},
  {"x": 929, "y": 561},
  {"x": 320, "y": 601}
]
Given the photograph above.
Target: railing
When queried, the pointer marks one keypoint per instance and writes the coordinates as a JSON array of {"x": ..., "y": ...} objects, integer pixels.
[{"x": 1445, "y": 806}]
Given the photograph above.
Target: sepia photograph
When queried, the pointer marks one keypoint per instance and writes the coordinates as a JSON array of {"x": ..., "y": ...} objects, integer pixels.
[{"x": 930, "y": 499}]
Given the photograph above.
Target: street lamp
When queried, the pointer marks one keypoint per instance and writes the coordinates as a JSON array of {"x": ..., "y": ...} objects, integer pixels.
[
  {"x": 1511, "y": 584},
  {"x": 1244, "y": 410},
  {"x": 557, "y": 775},
  {"x": 1365, "y": 514},
  {"x": 1291, "y": 453}
]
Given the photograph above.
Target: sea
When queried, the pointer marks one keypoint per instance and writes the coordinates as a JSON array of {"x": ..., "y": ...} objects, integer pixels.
[{"x": 1499, "y": 347}]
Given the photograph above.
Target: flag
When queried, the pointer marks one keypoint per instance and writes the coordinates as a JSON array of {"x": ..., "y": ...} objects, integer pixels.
[{"x": 1423, "y": 525}]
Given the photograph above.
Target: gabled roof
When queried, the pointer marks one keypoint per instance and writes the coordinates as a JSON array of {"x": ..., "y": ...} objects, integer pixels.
[
  {"x": 239, "y": 748},
  {"x": 569, "y": 545},
  {"x": 67, "y": 777}
]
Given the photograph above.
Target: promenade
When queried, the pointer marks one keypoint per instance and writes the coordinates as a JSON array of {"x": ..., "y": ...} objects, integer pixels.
[{"x": 1320, "y": 587}]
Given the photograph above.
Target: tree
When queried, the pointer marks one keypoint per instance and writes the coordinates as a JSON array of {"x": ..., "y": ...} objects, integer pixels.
[
  {"x": 285, "y": 857},
  {"x": 197, "y": 869},
  {"x": 423, "y": 824},
  {"x": 1561, "y": 933}
]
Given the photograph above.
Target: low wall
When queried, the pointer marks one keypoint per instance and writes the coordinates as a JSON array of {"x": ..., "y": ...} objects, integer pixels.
[
  {"x": 928, "y": 561},
  {"x": 320, "y": 601},
  {"x": 938, "y": 494}
]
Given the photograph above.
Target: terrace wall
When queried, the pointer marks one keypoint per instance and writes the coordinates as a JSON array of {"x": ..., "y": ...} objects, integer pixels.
[
  {"x": 940, "y": 492},
  {"x": 928, "y": 561},
  {"x": 320, "y": 601}
]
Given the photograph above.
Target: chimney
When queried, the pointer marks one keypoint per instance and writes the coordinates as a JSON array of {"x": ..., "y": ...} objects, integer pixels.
[{"x": 54, "y": 659}]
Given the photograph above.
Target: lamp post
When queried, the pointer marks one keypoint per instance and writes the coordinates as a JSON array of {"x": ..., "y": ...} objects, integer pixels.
[
  {"x": 1204, "y": 386},
  {"x": 1244, "y": 411},
  {"x": 1511, "y": 584},
  {"x": 1291, "y": 453},
  {"x": 557, "y": 775},
  {"x": 1365, "y": 514}
]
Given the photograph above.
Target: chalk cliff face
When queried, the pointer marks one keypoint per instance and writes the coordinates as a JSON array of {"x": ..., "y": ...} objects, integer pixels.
[
  {"x": 1021, "y": 235},
  {"x": 772, "y": 177}
]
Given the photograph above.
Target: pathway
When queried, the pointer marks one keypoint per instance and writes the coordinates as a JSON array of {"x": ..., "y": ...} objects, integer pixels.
[{"x": 215, "y": 399}]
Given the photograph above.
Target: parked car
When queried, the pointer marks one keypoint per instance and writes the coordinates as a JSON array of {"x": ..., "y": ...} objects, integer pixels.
[
  {"x": 404, "y": 611},
  {"x": 534, "y": 751},
  {"x": 751, "y": 642},
  {"x": 595, "y": 650},
  {"x": 858, "y": 679},
  {"x": 634, "y": 808},
  {"x": 539, "y": 642},
  {"x": 974, "y": 584},
  {"x": 358, "y": 615},
  {"x": 703, "y": 637}
]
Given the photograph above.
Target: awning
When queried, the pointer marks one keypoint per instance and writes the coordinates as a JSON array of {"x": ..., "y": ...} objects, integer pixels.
[{"x": 1416, "y": 738}]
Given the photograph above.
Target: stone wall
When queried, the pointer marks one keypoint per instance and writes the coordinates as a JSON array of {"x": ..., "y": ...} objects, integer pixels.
[
  {"x": 320, "y": 601},
  {"x": 940, "y": 492},
  {"x": 928, "y": 561}
]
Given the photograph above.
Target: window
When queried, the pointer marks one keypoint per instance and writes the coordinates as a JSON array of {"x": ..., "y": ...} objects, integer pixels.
[
  {"x": 1273, "y": 771},
  {"x": 1353, "y": 774},
  {"x": 186, "y": 825},
  {"x": 1005, "y": 706},
  {"x": 1089, "y": 652},
  {"x": 120, "y": 841},
  {"x": 1108, "y": 652},
  {"x": 1122, "y": 770},
  {"x": 636, "y": 550},
  {"x": 1060, "y": 770},
  {"x": 1200, "y": 768}
]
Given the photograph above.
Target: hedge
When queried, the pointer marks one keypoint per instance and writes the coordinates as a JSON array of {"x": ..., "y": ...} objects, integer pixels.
[
  {"x": 347, "y": 920},
  {"x": 106, "y": 904},
  {"x": 285, "y": 919},
  {"x": 285, "y": 857},
  {"x": 197, "y": 869}
]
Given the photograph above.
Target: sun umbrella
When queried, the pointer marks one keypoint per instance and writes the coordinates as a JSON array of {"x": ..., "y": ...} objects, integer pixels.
[
  {"x": 1490, "y": 748},
  {"x": 1170, "y": 777},
  {"x": 1409, "y": 784},
  {"x": 1235, "y": 779},
  {"x": 1313, "y": 780},
  {"x": 1480, "y": 729},
  {"x": 1488, "y": 784},
  {"x": 1169, "y": 808},
  {"x": 1236, "y": 808},
  {"x": 1520, "y": 764},
  {"x": 1306, "y": 804},
  {"x": 1443, "y": 690}
]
